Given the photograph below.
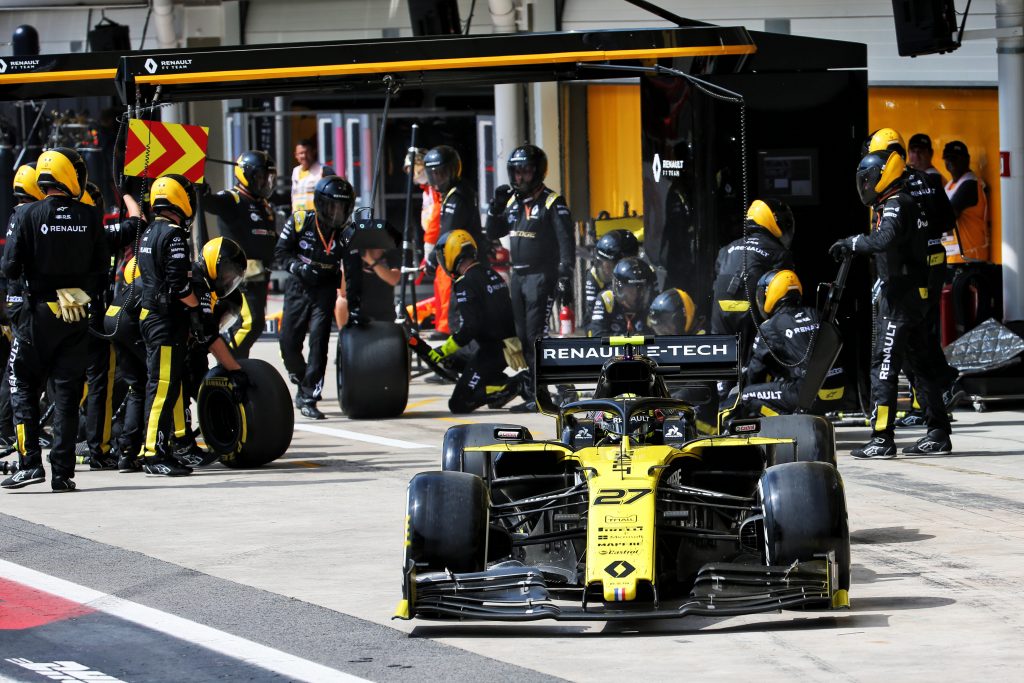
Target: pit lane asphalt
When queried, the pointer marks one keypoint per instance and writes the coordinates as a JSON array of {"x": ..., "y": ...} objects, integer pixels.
[{"x": 304, "y": 555}]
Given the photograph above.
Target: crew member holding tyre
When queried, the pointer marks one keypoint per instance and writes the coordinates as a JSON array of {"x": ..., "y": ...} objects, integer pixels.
[
  {"x": 543, "y": 248},
  {"x": 245, "y": 216},
  {"x": 899, "y": 242},
  {"x": 56, "y": 249},
  {"x": 483, "y": 314},
  {"x": 311, "y": 248},
  {"x": 781, "y": 351}
]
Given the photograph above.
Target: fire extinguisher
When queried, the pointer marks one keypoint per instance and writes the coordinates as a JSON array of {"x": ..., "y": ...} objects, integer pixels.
[{"x": 566, "y": 321}]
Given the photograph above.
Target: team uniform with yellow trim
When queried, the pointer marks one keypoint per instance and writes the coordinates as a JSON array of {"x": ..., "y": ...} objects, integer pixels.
[{"x": 630, "y": 514}]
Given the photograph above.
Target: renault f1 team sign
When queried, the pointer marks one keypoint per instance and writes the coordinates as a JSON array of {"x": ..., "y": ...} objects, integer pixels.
[{"x": 668, "y": 350}]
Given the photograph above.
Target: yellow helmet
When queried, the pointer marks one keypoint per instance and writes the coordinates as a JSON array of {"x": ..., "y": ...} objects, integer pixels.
[
  {"x": 887, "y": 140},
  {"x": 63, "y": 169},
  {"x": 776, "y": 285},
  {"x": 671, "y": 312},
  {"x": 223, "y": 263},
  {"x": 774, "y": 216},
  {"x": 174, "y": 193},
  {"x": 131, "y": 270},
  {"x": 876, "y": 173},
  {"x": 26, "y": 189},
  {"x": 453, "y": 247}
]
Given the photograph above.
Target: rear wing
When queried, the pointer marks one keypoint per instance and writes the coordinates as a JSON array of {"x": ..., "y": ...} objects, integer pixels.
[{"x": 679, "y": 359}]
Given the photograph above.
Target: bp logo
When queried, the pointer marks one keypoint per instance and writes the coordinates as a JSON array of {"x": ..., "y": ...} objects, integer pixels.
[
  {"x": 44, "y": 228},
  {"x": 150, "y": 66},
  {"x": 619, "y": 569},
  {"x": 656, "y": 167}
]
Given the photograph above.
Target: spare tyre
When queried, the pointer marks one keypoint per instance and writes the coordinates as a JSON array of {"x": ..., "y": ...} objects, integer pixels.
[
  {"x": 373, "y": 370},
  {"x": 252, "y": 433}
]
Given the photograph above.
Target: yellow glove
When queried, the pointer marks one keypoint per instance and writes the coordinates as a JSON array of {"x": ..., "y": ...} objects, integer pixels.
[
  {"x": 72, "y": 302},
  {"x": 514, "y": 353}
]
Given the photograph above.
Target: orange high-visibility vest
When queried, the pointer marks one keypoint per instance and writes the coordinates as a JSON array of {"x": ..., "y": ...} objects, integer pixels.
[{"x": 972, "y": 224}]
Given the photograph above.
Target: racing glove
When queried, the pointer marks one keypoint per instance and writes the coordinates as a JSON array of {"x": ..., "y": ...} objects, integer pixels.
[
  {"x": 565, "y": 290},
  {"x": 240, "y": 384},
  {"x": 196, "y": 324},
  {"x": 514, "y": 353},
  {"x": 502, "y": 193},
  {"x": 843, "y": 248},
  {"x": 441, "y": 353},
  {"x": 304, "y": 272},
  {"x": 72, "y": 302}
]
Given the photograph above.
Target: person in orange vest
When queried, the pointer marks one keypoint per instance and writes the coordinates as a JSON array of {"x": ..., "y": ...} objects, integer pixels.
[{"x": 430, "y": 220}]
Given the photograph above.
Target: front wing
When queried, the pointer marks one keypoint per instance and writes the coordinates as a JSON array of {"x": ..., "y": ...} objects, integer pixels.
[{"x": 520, "y": 593}]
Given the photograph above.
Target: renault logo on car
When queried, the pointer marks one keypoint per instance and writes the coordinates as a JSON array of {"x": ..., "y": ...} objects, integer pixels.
[{"x": 619, "y": 569}]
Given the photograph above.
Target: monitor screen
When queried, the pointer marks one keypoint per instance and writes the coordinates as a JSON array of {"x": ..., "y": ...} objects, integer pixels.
[{"x": 788, "y": 174}]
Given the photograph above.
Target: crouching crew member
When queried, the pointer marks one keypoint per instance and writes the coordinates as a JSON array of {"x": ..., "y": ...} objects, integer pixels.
[
  {"x": 778, "y": 362},
  {"x": 311, "y": 248},
  {"x": 57, "y": 250},
  {"x": 244, "y": 215},
  {"x": 623, "y": 308},
  {"x": 484, "y": 315},
  {"x": 613, "y": 246},
  {"x": 898, "y": 242}
]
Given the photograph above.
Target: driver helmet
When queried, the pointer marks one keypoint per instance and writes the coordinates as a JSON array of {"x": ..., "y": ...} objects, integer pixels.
[
  {"x": 223, "y": 263},
  {"x": 632, "y": 281},
  {"x": 333, "y": 199},
  {"x": 643, "y": 424}
]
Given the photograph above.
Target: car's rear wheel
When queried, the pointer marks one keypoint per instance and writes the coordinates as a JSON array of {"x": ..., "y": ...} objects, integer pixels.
[
  {"x": 804, "y": 507},
  {"x": 447, "y": 522}
]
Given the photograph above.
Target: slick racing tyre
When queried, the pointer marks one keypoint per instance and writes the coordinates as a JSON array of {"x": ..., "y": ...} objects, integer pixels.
[
  {"x": 804, "y": 507},
  {"x": 447, "y": 522},
  {"x": 373, "y": 370},
  {"x": 458, "y": 438},
  {"x": 814, "y": 438},
  {"x": 252, "y": 433}
]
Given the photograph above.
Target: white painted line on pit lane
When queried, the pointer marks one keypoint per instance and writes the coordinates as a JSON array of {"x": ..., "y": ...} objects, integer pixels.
[
  {"x": 357, "y": 436},
  {"x": 271, "y": 659}
]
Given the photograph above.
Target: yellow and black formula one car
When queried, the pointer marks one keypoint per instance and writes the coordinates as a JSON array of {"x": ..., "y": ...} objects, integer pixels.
[{"x": 631, "y": 514}]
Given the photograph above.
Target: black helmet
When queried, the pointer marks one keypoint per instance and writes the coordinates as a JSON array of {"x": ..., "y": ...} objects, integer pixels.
[
  {"x": 615, "y": 245},
  {"x": 26, "y": 187},
  {"x": 444, "y": 167},
  {"x": 333, "y": 198},
  {"x": 632, "y": 281},
  {"x": 671, "y": 312},
  {"x": 774, "y": 216},
  {"x": 877, "y": 173},
  {"x": 223, "y": 263},
  {"x": 454, "y": 247},
  {"x": 255, "y": 171},
  {"x": 93, "y": 197},
  {"x": 62, "y": 168},
  {"x": 775, "y": 287},
  {"x": 174, "y": 193},
  {"x": 531, "y": 164}
]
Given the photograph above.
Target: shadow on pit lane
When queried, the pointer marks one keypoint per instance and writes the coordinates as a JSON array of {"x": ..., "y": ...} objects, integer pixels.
[
  {"x": 889, "y": 534},
  {"x": 899, "y": 602},
  {"x": 958, "y": 454},
  {"x": 202, "y": 482},
  {"x": 696, "y": 626}
]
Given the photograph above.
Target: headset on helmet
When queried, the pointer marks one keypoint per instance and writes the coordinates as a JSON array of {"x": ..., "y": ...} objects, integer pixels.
[
  {"x": 886, "y": 140},
  {"x": 774, "y": 216},
  {"x": 176, "y": 194},
  {"x": 223, "y": 263},
  {"x": 776, "y": 286},
  {"x": 530, "y": 164},
  {"x": 333, "y": 199},
  {"x": 877, "y": 173},
  {"x": 632, "y": 280},
  {"x": 444, "y": 167},
  {"x": 26, "y": 189},
  {"x": 671, "y": 312},
  {"x": 63, "y": 169},
  {"x": 255, "y": 171},
  {"x": 454, "y": 247}
]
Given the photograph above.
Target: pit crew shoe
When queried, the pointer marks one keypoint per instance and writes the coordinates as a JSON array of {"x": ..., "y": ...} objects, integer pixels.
[
  {"x": 62, "y": 485},
  {"x": 164, "y": 467},
  {"x": 880, "y": 447},
  {"x": 299, "y": 402},
  {"x": 911, "y": 419},
  {"x": 127, "y": 463},
  {"x": 312, "y": 412},
  {"x": 191, "y": 455},
  {"x": 951, "y": 397},
  {"x": 102, "y": 462},
  {"x": 29, "y": 475},
  {"x": 935, "y": 441}
]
